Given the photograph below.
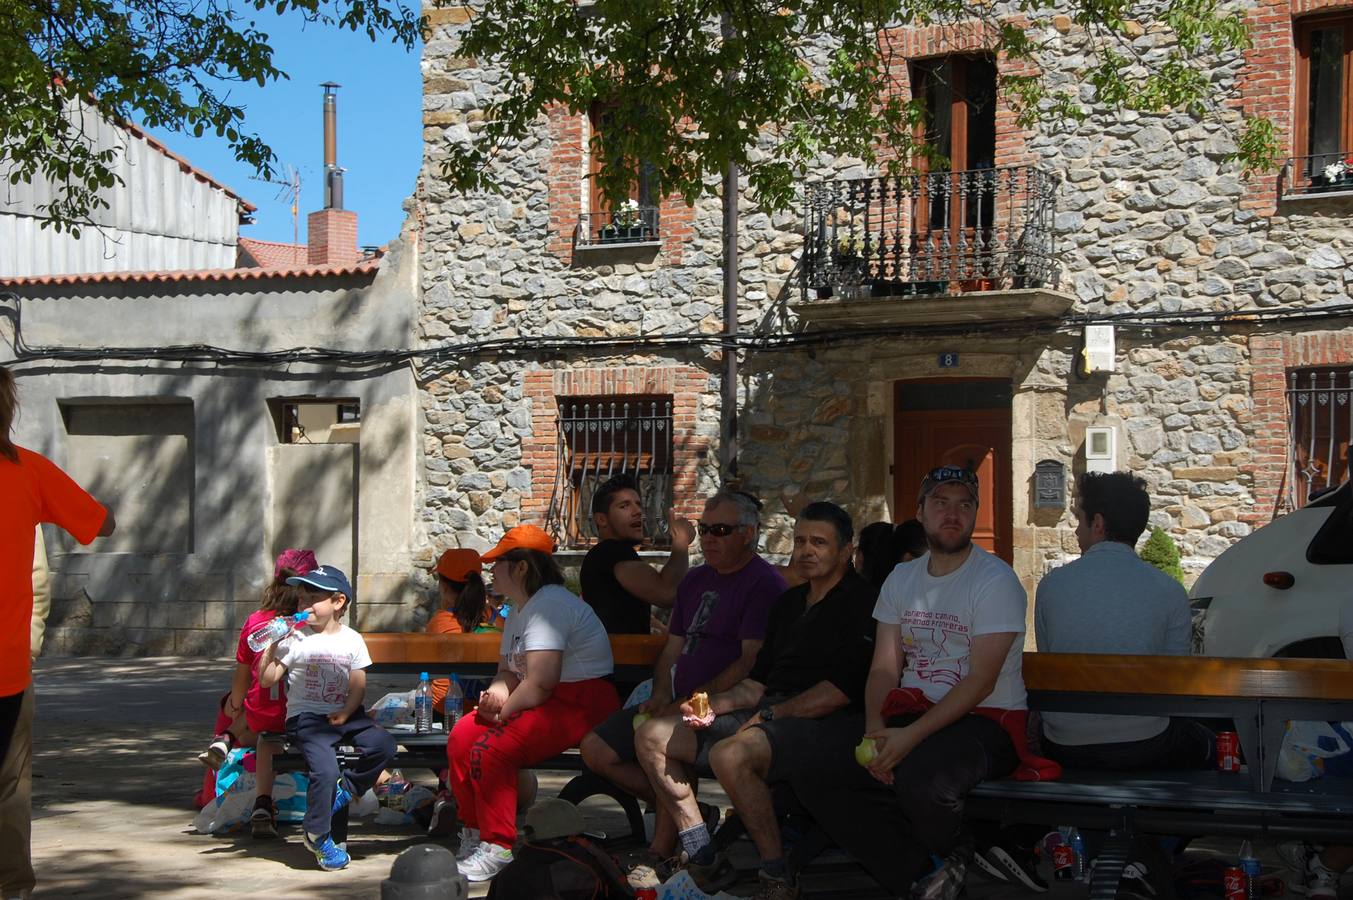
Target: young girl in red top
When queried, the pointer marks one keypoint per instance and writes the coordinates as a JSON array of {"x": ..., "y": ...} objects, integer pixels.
[{"x": 252, "y": 708}]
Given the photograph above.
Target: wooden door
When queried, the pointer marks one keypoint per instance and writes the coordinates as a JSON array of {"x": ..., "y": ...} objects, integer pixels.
[{"x": 973, "y": 432}]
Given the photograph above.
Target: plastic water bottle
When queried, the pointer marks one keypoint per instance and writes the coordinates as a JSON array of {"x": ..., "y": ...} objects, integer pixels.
[
  {"x": 454, "y": 705},
  {"x": 275, "y": 630},
  {"x": 1249, "y": 864},
  {"x": 422, "y": 705},
  {"x": 1078, "y": 848}
]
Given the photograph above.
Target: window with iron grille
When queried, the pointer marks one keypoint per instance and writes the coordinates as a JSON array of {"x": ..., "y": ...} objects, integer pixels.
[
  {"x": 600, "y": 437},
  {"x": 1320, "y": 418}
]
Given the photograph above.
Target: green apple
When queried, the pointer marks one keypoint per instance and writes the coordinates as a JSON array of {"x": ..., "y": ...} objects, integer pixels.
[
  {"x": 639, "y": 719},
  {"x": 866, "y": 751}
]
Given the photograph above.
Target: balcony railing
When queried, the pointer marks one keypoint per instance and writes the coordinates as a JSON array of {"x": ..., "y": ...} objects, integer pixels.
[
  {"x": 931, "y": 233},
  {"x": 1321, "y": 173},
  {"x": 631, "y": 226}
]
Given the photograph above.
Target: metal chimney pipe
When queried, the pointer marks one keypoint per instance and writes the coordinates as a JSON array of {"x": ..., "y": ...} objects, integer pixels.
[{"x": 333, "y": 175}]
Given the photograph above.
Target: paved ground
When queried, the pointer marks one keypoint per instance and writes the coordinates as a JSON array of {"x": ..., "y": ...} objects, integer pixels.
[{"x": 115, "y": 773}]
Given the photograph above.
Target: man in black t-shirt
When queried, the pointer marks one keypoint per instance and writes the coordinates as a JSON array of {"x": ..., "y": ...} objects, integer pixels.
[
  {"x": 619, "y": 586},
  {"x": 811, "y": 668}
]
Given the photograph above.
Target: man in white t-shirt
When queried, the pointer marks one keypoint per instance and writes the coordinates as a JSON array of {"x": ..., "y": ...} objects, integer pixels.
[{"x": 948, "y": 642}]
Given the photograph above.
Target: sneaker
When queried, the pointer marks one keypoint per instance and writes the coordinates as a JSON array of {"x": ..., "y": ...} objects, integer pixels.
[
  {"x": 330, "y": 856},
  {"x": 711, "y": 815},
  {"x": 649, "y": 870},
  {"x": 215, "y": 755},
  {"x": 944, "y": 883},
  {"x": 263, "y": 823},
  {"x": 469, "y": 843},
  {"x": 713, "y": 876},
  {"x": 1018, "y": 865},
  {"x": 342, "y": 796},
  {"x": 985, "y": 864},
  {"x": 769, "y": 888},
  {"x": 486, "y": 861},
  {"x": 1321, "y": 882},
  {"x": 1136, "y": 881}
]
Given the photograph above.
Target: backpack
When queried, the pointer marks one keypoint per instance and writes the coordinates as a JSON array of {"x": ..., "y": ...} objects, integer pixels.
[{"x": 571, "y": 868}]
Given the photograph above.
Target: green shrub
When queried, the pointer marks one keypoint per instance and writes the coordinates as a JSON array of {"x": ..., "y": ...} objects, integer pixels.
[{"x": 1160, "y": 551}]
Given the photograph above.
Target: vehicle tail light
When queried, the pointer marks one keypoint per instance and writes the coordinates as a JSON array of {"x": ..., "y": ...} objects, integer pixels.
[{"x": 1279, "y": 580}]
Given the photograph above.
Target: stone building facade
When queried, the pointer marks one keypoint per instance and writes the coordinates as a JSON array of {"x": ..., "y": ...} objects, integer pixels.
[{"x": 1223, "y": 290}]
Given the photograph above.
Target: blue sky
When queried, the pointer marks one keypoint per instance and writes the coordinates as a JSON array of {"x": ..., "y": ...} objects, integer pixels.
[{"x": 379, "y": 129}]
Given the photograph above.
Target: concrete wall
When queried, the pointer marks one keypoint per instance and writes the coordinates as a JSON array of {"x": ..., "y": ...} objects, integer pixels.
[{"x": 140, "y": 592}]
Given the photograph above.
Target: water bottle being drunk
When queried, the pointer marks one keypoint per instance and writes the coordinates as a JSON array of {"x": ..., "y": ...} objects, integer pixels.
[{"x": 275, "y": 630}]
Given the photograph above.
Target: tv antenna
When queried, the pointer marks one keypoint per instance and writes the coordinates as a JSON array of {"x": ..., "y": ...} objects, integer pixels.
[{"x": 289, "y": 190}]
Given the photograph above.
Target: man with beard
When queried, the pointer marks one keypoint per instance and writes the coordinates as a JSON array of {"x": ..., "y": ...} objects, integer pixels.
[
  {"x": 944, "y": 677},
  {"x": 621, "y": 588},
  {"x": 778, "y": 719}
]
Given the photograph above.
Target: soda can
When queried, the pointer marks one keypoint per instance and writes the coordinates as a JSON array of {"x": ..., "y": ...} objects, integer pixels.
[
  {"x": 646, "y": 894},
  {"x": 1233, "y": 883},
  {"x": 1064, "y": 862},
  {"x": 1228, "y": 751}
]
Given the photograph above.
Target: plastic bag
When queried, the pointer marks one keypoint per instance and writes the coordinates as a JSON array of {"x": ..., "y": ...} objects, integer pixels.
[
  {"x": 399, "y": 807},
  {"x": 1308, "y": 748},
  {"x": 681, "y": 887},
  {"x": 235, "y": 791},
  {"x": 393, "y": 710}
]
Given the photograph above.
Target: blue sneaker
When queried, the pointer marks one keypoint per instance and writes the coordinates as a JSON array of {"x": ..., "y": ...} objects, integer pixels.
[
  {"x": 342, "y": 796},
  {"x": 330, "y": 856}
]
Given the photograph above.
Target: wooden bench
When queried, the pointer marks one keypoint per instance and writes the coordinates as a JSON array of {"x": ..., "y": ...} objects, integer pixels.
[
  {"x": 476, "y": 656},
  {"x": 1258, "y": 695}
]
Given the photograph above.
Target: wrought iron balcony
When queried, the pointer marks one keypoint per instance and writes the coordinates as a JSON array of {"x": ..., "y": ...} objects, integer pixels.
[
  {"x": 930, "y": 233},
  {"x": 635, "y": 225},
  {"x": 1322, "y": 173}
]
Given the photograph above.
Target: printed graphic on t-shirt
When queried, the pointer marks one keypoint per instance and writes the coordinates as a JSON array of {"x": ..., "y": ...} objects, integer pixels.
[
  {"x": 326, "y": 677},
  {"x": 936, "y": 646},
  {"x": 516, "y": 657},
  {"x": 695, "y": 633}
]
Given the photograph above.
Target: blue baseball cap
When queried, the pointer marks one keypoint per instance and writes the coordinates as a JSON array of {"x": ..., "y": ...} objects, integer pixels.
[{"x": 325, "y": 578}]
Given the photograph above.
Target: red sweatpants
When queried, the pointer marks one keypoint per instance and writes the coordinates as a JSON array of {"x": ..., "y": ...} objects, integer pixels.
[{"x": 485, "y": 759}]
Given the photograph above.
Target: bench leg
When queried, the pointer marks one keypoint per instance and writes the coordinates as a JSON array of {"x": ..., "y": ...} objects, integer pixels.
[{"x": 589, "y": 784}]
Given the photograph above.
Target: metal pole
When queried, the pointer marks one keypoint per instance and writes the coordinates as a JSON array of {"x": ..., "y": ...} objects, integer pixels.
[{"x": 728, "y": 406}]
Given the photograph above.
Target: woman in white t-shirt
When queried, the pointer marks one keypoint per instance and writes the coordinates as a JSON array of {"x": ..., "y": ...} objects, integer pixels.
[{"x": 553, "y": 686}]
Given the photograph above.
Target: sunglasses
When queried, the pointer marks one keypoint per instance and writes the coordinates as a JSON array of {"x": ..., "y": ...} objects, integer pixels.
[{"x": 718, "y": 529}]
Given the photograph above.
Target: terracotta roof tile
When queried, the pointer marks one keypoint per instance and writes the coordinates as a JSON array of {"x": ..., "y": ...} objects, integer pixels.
[
  {"x": 271, "y": 254},
  {"x": 365, "y": 267}
]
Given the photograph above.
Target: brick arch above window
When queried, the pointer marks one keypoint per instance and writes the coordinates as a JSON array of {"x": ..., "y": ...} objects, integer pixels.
[
  {"x": 570, "y": 190},
  {"x": 543, "y": 388}
]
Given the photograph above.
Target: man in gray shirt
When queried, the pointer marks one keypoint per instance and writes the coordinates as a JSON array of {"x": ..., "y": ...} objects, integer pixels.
[{"x": 1110, "y": 601}]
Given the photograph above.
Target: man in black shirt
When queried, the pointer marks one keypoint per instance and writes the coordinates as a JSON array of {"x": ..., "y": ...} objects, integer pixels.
[
  {"x": 812, "y": 666},
  {"x": 619, "y": 586}
]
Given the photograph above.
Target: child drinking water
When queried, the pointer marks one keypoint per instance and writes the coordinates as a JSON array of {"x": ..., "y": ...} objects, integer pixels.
[{"x": 326, "y": 682}]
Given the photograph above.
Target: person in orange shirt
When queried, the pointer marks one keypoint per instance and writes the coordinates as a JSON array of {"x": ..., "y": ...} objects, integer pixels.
[
  {"x": 35, "y": 491},
  {"x": 462, "y": 601}
]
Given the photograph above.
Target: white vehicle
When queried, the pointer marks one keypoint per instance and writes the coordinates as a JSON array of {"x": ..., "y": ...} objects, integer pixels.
[{"x": 1278, "y": 591}]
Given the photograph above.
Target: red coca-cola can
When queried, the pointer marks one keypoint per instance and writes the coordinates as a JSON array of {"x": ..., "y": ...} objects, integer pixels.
[
  {"x": 1228, "y": 751},
  {"x": 1233, "y": 883},
  {"x": 1063, "y": 861}
]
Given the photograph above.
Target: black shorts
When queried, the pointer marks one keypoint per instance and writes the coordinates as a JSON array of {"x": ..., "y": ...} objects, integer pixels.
[{"x": 795, "y": 744}]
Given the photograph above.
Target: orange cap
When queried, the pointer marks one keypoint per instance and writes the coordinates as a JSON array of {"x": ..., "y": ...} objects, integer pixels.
[
  {"x": 523, "y": 537},
  {"x": 459, "y": 563}
]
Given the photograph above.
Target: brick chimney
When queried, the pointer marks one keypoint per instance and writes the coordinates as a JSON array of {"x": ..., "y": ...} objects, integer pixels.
[
  {"x": 331, "y": 237},
  {"x": 331, "y": 233}
]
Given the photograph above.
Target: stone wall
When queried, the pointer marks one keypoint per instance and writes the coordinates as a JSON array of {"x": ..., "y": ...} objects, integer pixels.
[{"x": 1152, "y": 220}]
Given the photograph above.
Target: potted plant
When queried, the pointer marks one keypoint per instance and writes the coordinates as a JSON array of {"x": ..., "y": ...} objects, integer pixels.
[
  {"x": 627, "y": 225},
  {"x": 1338, "y": 174},
  {"x": 849, "y": 256}
]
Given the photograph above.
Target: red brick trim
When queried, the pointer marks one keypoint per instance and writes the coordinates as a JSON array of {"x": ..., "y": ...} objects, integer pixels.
[
  {"x": 543, "y": 387},
  {"x": 568, "y": 190},
  {"x": 1271, "y": 357},
  {"x": 905, "y": 44},
  {"x": 1268, "y": 81}
]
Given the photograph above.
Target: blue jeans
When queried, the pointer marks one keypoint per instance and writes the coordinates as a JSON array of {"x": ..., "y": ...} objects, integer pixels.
[{"x": 317, "y": 740}]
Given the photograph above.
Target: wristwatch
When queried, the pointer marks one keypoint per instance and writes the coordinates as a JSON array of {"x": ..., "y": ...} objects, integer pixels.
[{"x": 767, "y": 712}]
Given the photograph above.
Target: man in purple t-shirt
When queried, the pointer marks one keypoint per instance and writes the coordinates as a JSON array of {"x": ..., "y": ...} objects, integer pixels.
[{"x": 716, "y": 630}]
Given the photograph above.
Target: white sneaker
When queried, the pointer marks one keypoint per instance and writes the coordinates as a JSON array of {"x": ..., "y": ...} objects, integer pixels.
[
  {"x": 469, "y": 843},
  {"x": 487, "y": 861},
  {"x": 1321, "y": 883}
]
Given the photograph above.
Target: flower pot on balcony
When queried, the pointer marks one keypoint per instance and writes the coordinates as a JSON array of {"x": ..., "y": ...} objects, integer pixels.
[{"x": 624, "y": 234}]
